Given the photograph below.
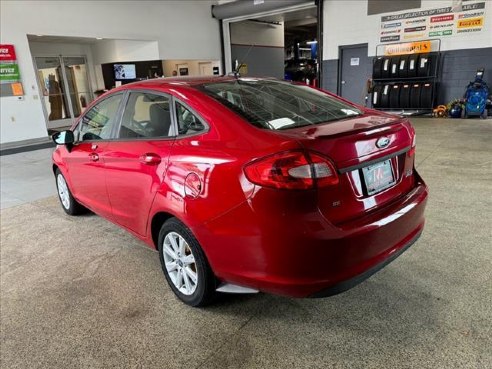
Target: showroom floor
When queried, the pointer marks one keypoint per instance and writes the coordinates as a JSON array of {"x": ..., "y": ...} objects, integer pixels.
[{"x": 80, "y": 292}]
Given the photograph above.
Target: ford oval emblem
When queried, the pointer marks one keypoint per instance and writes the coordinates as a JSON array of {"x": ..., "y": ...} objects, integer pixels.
[{"x": 382, "y": 142}]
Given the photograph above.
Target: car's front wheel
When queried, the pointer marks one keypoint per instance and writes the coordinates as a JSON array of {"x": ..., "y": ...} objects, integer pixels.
[
  {"x": 184, "y": 264},
  {"x": 69, "y": 204}
]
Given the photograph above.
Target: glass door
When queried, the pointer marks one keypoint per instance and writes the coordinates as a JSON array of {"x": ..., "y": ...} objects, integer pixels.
[{"x": 65, "y": 88}]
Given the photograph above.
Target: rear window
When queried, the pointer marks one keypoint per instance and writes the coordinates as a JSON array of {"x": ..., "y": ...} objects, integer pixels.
[{"x": 277, "y": 105}]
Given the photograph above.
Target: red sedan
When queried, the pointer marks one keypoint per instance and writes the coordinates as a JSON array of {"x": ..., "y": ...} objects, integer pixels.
[{"x": 246, "y": 185}]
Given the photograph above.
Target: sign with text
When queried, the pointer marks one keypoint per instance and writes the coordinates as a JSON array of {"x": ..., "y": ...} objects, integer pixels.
[
  {"x": 9, "y": 73},
  {"x": 7, "y": 53},
  {"x": 408, "y": 48},
  {"x": 439, "y": 22},
  {"x": 10, "y": 84}
]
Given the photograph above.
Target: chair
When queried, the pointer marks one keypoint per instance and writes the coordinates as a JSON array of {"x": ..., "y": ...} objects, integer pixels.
[{"x": 160, "y": 120}]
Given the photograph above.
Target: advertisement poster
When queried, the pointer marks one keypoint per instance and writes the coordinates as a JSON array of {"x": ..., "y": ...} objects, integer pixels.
[
  {"x": 10, "y": 84},
  {"x": 433, "y": 23}
]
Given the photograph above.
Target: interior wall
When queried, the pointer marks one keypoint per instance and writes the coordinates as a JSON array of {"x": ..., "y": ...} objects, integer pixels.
[
  {"x": 260, "y": 46},
  {"x": 347, "y": 23},
  {"x": 182, "y": 30},
  {"x": 112, "y": 51},
  {"x": 193, "y": 66}
]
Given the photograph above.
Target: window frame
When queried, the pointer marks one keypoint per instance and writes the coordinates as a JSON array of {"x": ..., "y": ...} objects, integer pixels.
[
  {"x": 195, "y": 113},
  {"x": 117, "y": 118},
  {"x": 173, "y": 131}
]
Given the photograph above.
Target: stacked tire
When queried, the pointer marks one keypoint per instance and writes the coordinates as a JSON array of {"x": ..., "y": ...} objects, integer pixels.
[{"x": 404, "y": 81}]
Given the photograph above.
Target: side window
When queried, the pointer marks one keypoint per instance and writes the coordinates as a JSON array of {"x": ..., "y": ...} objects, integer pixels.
[
  {"x": 146, "y": 115},
  {"x": 188, "y": 123},
  {"x": 98, "y": 122}
]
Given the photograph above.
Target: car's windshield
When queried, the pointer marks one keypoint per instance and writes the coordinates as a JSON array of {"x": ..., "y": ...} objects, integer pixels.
[{"x": 278, "y": 105}]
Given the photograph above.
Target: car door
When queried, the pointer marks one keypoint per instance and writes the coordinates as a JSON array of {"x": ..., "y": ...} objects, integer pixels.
[
  {"x": 85, "y": 160},
  {"x": 136, "y": 162}
]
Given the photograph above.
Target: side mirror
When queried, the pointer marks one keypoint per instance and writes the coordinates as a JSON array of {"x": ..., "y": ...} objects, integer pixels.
[{"x": 63, "y": 138}]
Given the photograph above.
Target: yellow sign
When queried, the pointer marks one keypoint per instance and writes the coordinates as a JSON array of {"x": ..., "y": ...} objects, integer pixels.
[
  {"x": 469, "y": 23},
  {"x": 17, "y": 89},
  {"x": 418, "y": 47}
]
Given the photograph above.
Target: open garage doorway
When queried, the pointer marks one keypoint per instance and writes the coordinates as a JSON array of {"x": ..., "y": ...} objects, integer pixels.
[{"x": 280, "y": 43}]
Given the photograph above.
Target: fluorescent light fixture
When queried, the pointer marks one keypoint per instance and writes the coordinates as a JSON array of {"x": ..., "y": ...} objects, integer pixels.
[
  {"x": 312, "y": 42},
  {"x": 99, "y": 38},
  {"x": 40, "y": 35}
]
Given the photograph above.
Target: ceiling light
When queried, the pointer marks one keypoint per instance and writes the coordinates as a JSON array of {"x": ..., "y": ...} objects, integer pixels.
[
  {"x": 40, "y": 35},
  {"x": 99, "y": 38},
  {"x": 312, "y": 42}
]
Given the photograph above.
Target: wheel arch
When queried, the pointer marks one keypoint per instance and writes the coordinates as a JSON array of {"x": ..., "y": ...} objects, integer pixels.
[{"x": 156, "y": 223}]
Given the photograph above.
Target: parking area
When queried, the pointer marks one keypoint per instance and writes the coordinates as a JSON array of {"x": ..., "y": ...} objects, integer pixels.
[{"x": 79, "y": 292}]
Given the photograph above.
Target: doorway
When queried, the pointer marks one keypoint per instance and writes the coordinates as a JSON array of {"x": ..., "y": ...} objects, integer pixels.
[
  {"x": 355, "y": 69},
  {"x": 65, "y": 87},
  {"x": 205, "y": 69}
]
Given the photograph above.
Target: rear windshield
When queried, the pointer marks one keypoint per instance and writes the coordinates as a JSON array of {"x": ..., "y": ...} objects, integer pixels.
[{"x": 277, "y": 105}]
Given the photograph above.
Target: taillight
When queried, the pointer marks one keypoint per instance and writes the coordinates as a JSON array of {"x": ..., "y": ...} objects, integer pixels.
[
  {"x": 411, "y": 152},
  {"x": 292, "y": 170}
]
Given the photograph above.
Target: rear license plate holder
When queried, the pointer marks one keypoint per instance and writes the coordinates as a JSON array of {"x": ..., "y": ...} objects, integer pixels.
[{"x": 378, "y": 177}]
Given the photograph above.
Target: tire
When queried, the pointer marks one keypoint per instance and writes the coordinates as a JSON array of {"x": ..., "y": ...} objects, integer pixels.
[
  {"x": 190, "y": 278},
  {"x": 67, "y": 201}
]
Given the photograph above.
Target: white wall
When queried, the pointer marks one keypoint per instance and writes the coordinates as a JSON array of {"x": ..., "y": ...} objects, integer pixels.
[
  {"x": 181, "y": 29},
  {"x": 168, "y": 66},
  {"x": 111, "y": 51},
  {"x": 347, "y": 23}
]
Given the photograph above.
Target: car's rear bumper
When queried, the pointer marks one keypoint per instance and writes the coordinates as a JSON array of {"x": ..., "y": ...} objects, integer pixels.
[
  {"x": 354, "y": 281},
  {"x": 296, "y": 252}
]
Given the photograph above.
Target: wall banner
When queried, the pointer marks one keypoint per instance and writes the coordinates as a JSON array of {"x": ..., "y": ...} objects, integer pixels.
[
  {"x": 432, "y": 23},
  {"x": 7, "y": 54},
  {"x": 408, "y": 48},
  {"x": 9, "y": 73},
  {"x": 10, "y": 84}
]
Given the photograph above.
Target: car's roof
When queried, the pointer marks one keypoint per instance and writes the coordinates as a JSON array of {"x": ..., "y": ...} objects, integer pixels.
[{"x": 181, "y": 81}]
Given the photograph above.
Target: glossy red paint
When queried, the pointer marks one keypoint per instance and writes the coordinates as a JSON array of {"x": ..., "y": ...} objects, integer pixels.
[{"x": 290, "y": 242}]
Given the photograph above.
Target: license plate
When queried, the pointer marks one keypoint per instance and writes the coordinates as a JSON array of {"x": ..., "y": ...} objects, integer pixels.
[{"x": 378, "y": 177}]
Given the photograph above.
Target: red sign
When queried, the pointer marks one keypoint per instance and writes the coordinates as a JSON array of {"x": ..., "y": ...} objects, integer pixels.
[
  {"x": 7, "y": 53},
  {"x": 442, "y": 18}
]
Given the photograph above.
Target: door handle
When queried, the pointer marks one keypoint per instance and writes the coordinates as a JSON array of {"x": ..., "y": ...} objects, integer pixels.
[
  {"x": 150, "y": 159},
  {"x": 94, "y": 157}
]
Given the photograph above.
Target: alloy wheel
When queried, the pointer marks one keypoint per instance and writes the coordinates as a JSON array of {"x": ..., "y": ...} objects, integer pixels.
[
  {"x": 63, "y": 191},
  {"x": 180, "y": 263}
]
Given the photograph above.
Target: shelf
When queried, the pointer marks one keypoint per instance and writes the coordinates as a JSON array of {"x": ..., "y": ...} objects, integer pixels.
[{"x": 404, "y": 79}]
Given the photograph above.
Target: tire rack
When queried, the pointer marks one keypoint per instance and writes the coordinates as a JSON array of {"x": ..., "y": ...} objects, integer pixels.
[{"x": 391, "y": 77}]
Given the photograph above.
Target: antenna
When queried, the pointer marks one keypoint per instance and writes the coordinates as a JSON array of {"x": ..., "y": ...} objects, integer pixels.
[{"x": 236, "y": 71}]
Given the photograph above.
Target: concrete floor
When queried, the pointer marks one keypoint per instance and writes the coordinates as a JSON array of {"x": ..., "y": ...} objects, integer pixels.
[{"x": 82, "y": 293}]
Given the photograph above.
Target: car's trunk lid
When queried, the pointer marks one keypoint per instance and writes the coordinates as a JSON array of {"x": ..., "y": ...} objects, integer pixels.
[{"x": 371, "y": 174}]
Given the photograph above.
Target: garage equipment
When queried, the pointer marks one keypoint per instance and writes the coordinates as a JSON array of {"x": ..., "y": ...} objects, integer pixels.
[
  {"x": 411, "y": 71},
  {"x": 476, "y": 95}
]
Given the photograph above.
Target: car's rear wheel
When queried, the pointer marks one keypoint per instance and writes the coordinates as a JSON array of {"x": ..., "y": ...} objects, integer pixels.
[
  {"x": 184, "y": 264},
  {"x": 69, "y": 204}
]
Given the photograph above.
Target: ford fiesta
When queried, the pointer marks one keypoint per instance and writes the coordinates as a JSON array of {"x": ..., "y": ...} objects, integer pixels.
[{"x": 246, "y": 185}]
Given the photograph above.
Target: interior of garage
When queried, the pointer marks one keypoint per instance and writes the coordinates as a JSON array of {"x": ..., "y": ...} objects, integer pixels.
[
  {"x": 84, "y": 293},
  {"x": 282, "y": 45}
]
